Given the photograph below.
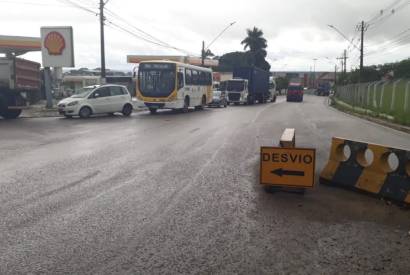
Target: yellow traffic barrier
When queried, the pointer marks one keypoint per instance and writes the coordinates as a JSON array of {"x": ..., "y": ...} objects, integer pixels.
[{"x": 374, "y": 176}]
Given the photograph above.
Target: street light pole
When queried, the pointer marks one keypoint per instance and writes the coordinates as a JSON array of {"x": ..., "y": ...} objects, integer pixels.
[
  {"x": 204, "y": 51},
  {"x": 102, "y": 19}
]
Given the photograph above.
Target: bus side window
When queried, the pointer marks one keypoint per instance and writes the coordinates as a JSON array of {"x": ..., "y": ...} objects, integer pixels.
[
  {"x": 195, "y": 77},
  {"x": 188, "y": 77},
  {"x": 180, "y": 80},
  {"x": 209, "y": 79},
  {"x": 201, "y": 78}
]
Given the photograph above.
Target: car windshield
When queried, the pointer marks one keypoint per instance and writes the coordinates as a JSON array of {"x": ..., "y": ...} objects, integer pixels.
[
  {"x": 83, "y": 92},
  {"x": 234, "y": 86},
  {"x": 217, "y": 93}
]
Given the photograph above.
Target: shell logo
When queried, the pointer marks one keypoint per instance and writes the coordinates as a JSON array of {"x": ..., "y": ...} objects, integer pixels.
[{"x": 54, "y": 43}]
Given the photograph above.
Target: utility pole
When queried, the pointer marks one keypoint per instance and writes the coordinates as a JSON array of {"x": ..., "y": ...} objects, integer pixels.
[
  {"x": 102, "y": 19},
  {"x": 203, "y": 53},
  {"x": 335, "y": 74},
  {"x": 314, "y": 72},
  {"x": 345, "y": 61},
  {"x": 362, "y": 27}
]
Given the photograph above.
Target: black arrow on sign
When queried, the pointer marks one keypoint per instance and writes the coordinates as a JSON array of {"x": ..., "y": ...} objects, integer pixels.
[{"x": 281, "y": 172}]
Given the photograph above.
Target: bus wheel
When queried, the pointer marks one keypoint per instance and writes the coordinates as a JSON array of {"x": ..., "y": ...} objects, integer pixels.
[
  {"x": 153, "y": 111},
  {"x": 203, "y": 103},
  {"x": 186, "y": 105}
]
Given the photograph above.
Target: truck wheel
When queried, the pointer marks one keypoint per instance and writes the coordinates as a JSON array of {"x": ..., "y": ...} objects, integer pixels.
[
  {"x": 11, "y": 114},
  {"x": 3, "y": 106},
  {"x": 85, "y": 112}
]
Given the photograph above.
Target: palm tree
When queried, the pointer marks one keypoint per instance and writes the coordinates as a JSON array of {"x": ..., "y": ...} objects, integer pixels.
[
  {"x": 254, "y": 41},
  {"x": 257, "y": 45}
]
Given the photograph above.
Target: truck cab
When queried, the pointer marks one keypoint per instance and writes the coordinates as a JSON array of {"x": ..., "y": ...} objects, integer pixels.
[{"x": 237, "y": 90}]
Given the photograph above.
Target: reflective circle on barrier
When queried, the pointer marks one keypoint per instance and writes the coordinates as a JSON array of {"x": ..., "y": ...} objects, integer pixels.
[
  {"x": 365, "y": 157},
  {"x": 343, "y": 152},
  {"x": 393, "y": 162}
]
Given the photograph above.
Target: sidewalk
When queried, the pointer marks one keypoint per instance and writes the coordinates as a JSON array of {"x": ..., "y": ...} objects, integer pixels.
[{"x": 39, "y": 110}]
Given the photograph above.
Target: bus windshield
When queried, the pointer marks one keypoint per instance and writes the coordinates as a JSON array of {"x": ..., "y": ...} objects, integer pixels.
[{"x": 156, "y": 79}]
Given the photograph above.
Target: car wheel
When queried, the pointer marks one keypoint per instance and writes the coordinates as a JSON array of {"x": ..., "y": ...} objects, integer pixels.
[
  {"x": 127, "y": 110},
  {"x": 85, "y": 112},
  {"x": 153, "y": 111}
]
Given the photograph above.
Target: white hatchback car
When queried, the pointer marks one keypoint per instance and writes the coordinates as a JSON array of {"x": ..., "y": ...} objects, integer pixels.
[{"x": 106, "y": 99}]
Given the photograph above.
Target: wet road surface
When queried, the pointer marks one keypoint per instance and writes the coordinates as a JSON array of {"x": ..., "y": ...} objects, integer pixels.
[{"x": 178, "y": 193}]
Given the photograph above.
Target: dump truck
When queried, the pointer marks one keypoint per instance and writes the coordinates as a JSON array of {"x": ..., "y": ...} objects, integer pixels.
[{"x": 18, "y": 78}]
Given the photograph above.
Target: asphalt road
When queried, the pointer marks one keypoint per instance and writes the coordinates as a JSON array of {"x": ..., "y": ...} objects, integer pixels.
[{"x": 178, "y": 193}]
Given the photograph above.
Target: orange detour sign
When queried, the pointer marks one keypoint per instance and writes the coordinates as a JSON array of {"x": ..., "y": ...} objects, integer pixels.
[{"x": 287, "y": 167}]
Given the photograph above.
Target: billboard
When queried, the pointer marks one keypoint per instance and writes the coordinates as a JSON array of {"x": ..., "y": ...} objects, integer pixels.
[{"x": 57, "y": 46}]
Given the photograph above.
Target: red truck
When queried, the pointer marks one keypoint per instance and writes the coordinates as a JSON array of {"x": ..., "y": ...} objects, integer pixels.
[{"x": 18, "y": 78}]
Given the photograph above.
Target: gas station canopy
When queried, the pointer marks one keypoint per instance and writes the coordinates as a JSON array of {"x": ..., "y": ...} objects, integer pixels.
[{"x": 19, "y": 45}]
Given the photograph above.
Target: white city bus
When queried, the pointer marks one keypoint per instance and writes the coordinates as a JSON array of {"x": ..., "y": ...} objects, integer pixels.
[{"x": 173, "y": 85}]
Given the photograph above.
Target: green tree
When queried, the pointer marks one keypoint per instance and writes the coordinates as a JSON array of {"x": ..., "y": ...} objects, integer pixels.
[
  {"x": 229, "y": 61},
  {"x": 257, "y": 45},
  {"x": 282, "y": 83}
]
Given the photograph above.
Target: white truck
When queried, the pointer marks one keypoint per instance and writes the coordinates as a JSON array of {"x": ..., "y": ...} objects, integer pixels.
[
  {"x": 18, "y": 78},
  {"x": 237, "y": 90}
]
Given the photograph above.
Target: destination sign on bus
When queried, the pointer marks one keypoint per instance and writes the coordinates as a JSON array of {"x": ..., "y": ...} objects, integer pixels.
[{"x": 157, "y": 66}]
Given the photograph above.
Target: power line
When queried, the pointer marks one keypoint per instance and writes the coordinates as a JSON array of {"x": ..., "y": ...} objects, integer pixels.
[
  {"x": 150, "y": 36},
  {"x": 397, "y": 40},
  {"x": 74, "y": 4},
  {"x": 381, "y": 13},
  {"x": 119, "y": 27},
  {"x": 392, "y": 11}
]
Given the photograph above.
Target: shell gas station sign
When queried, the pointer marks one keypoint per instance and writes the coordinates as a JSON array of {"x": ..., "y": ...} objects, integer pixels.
[{"x": 57, "y": 46}]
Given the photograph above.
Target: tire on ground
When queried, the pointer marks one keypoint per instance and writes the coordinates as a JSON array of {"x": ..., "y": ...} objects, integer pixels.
[
  {"x": 85, "y": 112},
  {"x": 127, "y": 110}
]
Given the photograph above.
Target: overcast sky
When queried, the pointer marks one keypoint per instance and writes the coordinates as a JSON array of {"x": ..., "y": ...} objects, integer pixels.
[{"x": 296, "y": 30}]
